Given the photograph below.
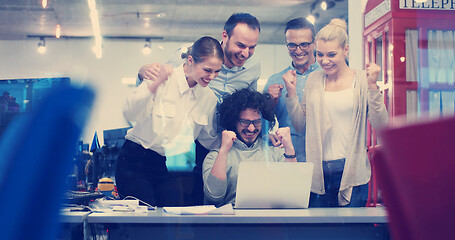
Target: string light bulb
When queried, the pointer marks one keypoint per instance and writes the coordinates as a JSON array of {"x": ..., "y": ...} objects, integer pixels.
[
  {"x": 311, "y": 18},
  {"x": 98, "y": 48},
  {"x": 323, "y": 5},
  {"x": 58, "y": 31}
]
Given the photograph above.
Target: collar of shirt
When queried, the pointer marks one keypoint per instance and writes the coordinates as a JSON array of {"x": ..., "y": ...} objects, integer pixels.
[
  {"x": 249, "y": 63},
  {"x": 182, "y": 82},
  {"x": 198, "y": 91},
  {"x": 234, "y": 68},
  {"x": 311, "y": 68},
  {"x": 243, "y": 146}
]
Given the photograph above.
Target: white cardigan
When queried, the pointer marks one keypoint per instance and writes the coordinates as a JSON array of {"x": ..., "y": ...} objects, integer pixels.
[{"x": 311, "y": 113}]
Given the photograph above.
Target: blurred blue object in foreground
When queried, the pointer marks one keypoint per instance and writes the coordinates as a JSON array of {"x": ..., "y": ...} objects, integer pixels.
[{"x": 36, "y": 151}]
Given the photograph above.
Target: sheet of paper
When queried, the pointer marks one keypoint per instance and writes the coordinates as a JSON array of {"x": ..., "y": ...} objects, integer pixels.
[{"x": 201, "y": 210}]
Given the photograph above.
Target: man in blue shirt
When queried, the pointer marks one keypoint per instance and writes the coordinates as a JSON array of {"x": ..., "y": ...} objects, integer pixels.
[
  {"x": 240, "y": 70},
  {"x": 300, "y": 35}
]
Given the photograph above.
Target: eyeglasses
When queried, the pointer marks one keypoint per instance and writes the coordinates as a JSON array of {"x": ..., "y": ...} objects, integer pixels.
[
  {"x": 246, "y": 123},
  {"x": 302, "y": 46}
]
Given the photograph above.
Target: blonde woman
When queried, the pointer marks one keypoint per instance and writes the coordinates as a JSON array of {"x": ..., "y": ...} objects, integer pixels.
[{"x": 337, "y": 103}]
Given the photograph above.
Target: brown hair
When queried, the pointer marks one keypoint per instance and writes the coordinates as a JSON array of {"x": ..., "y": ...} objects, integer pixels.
[{"x": 205, "y": 47}]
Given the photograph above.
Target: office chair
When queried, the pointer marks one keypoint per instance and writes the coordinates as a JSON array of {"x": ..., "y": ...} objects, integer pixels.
[
  {"x": 36, "y": 154},
  {"x": 416, "y": 169}
]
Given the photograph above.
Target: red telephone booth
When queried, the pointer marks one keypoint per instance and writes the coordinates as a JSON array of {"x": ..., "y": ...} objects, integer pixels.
[{"x": 414, "y": 43}]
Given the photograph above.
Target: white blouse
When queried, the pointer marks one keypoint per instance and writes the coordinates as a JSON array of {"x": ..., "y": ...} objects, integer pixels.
[{"x": 169, "y": 121}]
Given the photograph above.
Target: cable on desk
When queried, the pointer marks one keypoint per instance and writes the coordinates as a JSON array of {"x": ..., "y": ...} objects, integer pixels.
[{"x": 148, "y": 205}]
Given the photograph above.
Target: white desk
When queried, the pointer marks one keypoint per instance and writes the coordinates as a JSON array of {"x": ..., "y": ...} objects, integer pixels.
[
  {"x": 315, "y": 223},
  {"x": 73, "y": 217},
  {"x": 73, "y": 224}
]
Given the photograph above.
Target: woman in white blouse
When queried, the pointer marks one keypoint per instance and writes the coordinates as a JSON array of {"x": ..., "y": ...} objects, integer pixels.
[
  {"x": 337, "y": 103},
  {"x": 169, "y": 112}
]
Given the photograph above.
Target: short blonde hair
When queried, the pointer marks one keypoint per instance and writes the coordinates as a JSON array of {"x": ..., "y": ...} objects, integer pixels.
[{"x": 335, "y": 30}]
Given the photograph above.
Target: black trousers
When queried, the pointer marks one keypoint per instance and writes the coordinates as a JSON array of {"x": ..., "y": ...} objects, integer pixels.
[
  {"x": 142, "y": 173},
  {"x": 198, "y": 184}
]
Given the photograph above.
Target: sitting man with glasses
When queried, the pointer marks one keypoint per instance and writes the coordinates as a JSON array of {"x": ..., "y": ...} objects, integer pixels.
[
  {"x": 300, "y": 35},
  {"x": 243, "y": 115}
]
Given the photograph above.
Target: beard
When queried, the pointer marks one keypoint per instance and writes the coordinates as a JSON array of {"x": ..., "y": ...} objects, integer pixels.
[
  {"x": 234, "y": 59},
  {"x": 248, "y": 141}
]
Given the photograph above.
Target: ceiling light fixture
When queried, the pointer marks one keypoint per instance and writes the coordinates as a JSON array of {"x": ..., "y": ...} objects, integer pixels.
[
  {"x": 160, "y": 15},
  {"x": 145, "y": 15},
  {"x": 44, "y": 3},
  {"x": 147, "y": 47},
  {"x": 42, "y": 45}
]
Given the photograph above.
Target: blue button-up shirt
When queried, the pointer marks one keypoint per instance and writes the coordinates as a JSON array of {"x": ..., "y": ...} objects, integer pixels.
[
  {"x": 230, "y": 79},
  {"x": 282, "y": 115},
  {"x": 236, "y": 78}
]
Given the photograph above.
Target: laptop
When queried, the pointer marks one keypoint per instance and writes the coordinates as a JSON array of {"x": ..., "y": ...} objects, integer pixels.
[{"x": 274, "y": 185}]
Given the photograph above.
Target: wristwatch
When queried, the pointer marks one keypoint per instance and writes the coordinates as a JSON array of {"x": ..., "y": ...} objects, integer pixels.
[{"x": 289, "y": 156}]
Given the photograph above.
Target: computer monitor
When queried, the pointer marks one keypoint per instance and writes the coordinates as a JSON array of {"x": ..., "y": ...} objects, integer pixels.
[
  {"x": 115, "y": 138},
  {"x": 105, "y": 158}
]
